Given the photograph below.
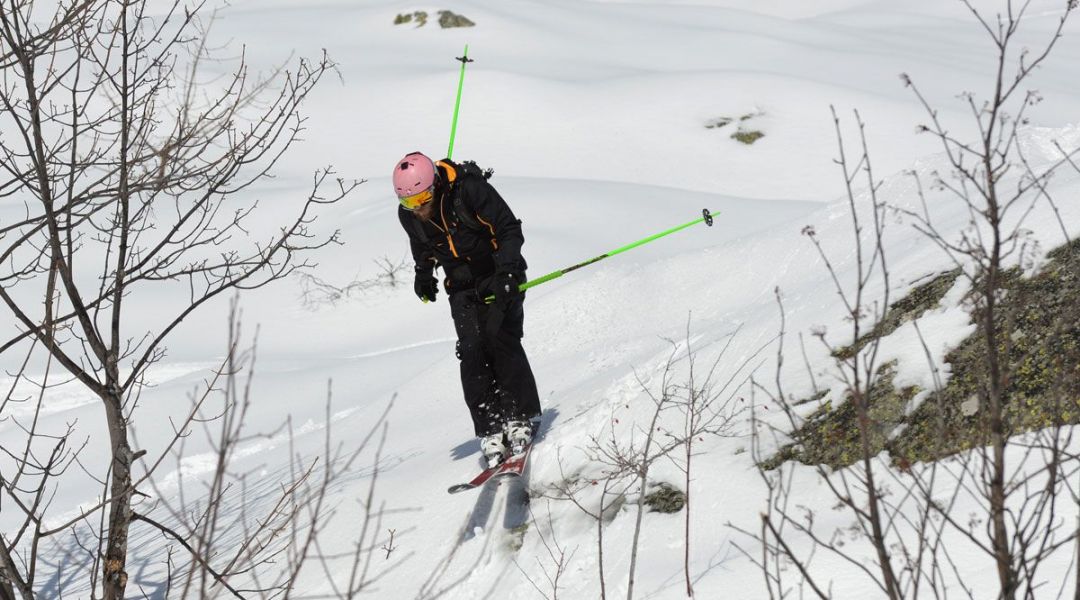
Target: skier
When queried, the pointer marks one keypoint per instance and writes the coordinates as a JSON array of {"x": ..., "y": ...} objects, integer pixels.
[{"x": 457, "y": 221}]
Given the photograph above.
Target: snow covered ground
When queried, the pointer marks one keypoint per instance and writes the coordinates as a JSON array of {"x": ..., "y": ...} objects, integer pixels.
[{"x": 593, "y": 114}]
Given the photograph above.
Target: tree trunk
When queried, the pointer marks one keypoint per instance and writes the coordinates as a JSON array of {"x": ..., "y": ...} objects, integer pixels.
[
  {"x": 995, "y": 392},
  {"x": 115, "y": 575},
  {"x": 1002, "y": 555},
  {"x": 861, "y": 400},
  {"x": 8, "y": 574},
  {"x": 6, "y": 592}
]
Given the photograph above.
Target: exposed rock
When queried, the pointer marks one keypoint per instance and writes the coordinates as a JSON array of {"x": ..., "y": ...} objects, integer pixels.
[
  {"x": 718, "y": 123},
  {"x": 419, "y": 16},
  {"x": 833, "y": 436},
  {"x": 448, "y": 20},
  {"x": 1040, "y": 386},
  {"x": 666, "y": 499},
  {"x": 747, "y": 137},
  {"x": 516, "y": 539},
  {"x": 925, "y": 297},
  {"x": 1041, "y": 365}
]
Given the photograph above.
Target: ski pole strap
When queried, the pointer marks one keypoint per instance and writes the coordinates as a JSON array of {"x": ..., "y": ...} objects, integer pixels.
[
  {"x": 707, "y": 218},
  {"x": 464, "y": 60}
]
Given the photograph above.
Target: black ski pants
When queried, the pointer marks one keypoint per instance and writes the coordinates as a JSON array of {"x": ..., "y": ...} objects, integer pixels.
[{"x": 495, "y": 374}]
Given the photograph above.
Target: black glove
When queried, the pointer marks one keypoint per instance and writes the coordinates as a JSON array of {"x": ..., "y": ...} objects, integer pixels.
[
  {"x": 485, "y": 286},
  {"x": 425, "y": 285},
  {"x": 505, "y": 286}
]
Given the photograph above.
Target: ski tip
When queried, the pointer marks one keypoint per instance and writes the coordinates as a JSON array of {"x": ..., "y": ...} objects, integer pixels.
[{"x": 461, "y": 487}]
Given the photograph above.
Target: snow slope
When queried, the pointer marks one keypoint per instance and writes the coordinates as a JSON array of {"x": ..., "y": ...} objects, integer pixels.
[{"x": 593, "y": 115}]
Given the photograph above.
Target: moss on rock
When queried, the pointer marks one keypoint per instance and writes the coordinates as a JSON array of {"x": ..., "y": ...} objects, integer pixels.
[
  {"x": 832, "y": 436},
  {"x": 718, "y": 123},
  {"x": 449, "y": 20},
  {"x": 747, "y": 136},
  {"x": 912, "y": 306},
  {"x": 1038, "y": 319},
  {"x": 665, "y": 499},
  {"x": 1039, "y": 323},
  {"x": 517, "y": 536},
  {"x": 419, "y": 17}
]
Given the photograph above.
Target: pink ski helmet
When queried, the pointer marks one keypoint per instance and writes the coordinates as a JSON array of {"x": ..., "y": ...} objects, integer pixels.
[{"x": 414, "y": 180}]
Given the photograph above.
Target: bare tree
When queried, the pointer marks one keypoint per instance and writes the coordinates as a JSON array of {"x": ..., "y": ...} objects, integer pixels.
[
  {"x": 995, "y": 236},
  {"x": 683, "y": 415},
  {"x": 35, "y": 465},
  {"x": 135, "y": 177},
  {"x": 858, "y": 489},
  {"x": 228, "y": 545},
  {"x": 282, "y": 541},
  {"x": 1016, "y": 480},
  {"x": 708, "y": 406}
]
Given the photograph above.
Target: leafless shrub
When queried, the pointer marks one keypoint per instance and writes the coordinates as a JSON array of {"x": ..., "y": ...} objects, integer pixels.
[
  {"x": 233, "y": 544},
  {"x": 316, "y": 292},
  {"x": 134, "y": 178},
  {"x": 684, "y": 414},
  {"x": 558, "y": 558},
  {"x": 857, "y": 489}
]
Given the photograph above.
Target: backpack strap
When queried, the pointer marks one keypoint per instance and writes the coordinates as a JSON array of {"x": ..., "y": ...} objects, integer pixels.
[
  {"x": 456, "y": 172},
  {"x": 466, "y": 216}
]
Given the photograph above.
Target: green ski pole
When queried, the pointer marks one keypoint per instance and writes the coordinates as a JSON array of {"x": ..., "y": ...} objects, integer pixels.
[
  {"x": 464, "y": 58},
  {"x": 707, "y": 218}
]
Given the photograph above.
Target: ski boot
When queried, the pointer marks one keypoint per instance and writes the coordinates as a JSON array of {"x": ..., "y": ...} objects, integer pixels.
[
  {"x": 494, "y": 449},
  {"x": 520, "y": 435}
]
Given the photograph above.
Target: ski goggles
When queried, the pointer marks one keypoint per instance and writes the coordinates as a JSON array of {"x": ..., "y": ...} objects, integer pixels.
[{"x": 417, "y": 200}]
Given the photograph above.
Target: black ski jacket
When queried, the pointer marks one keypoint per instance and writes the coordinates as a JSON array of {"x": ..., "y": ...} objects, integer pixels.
[{"x": 473, "y": 233}]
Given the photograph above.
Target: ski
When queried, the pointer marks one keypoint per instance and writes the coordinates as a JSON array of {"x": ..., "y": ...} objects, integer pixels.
[
  {"x": 477, "y": 481},
  {"x": 515, "y": 465}
]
